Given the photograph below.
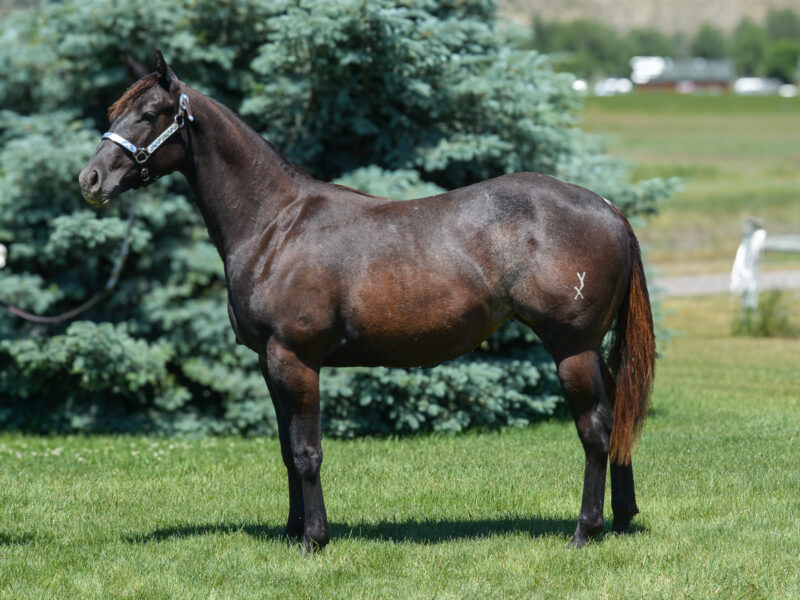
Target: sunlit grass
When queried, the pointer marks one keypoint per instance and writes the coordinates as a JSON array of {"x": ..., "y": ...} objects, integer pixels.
[{"x": 468, "y": 516}]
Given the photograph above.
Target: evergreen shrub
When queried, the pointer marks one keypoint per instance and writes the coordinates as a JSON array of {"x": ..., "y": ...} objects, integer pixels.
[{"x": 400, "y": 98}]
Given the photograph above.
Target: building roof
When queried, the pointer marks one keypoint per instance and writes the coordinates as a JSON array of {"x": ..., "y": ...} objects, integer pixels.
[{"x": 696, "y": 69}]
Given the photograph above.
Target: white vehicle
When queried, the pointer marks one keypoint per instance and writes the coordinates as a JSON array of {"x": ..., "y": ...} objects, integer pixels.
[{"x": 610, "y": 86}]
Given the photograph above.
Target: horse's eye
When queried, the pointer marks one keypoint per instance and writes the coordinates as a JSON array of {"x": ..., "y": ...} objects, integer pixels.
[{"x": 150, "y": 117}]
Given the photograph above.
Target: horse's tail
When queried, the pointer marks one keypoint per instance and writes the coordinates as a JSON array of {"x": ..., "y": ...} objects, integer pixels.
[{"x": 632, "y": 358}]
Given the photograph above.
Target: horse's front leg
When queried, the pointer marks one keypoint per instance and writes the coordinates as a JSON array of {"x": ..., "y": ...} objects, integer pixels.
[
  {"x": 295, "y": 386},
  {"x": 583, "y": 387},
  {"x": 295, "y": 523}
]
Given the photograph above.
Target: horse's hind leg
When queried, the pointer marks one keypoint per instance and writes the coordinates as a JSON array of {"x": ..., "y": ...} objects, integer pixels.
[
  {"x": 582, "y": 382},
  {"x": 623, "y": 496}
]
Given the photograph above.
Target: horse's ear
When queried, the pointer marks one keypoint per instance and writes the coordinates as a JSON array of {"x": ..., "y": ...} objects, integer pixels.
[
  {"x": 134, "y": 68},
  {"x": 165, "y": 74}
]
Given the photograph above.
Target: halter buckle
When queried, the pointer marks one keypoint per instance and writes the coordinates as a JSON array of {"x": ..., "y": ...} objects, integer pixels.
[
  {"x": 183, "y": 104},
  {"x": 141, "y": 155}
]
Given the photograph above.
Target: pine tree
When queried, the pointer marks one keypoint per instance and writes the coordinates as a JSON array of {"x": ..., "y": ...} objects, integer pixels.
[{"x": 402, "y": 98}]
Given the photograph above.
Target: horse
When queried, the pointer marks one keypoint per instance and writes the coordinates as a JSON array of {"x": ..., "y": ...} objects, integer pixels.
[{"x": 323, "y": 275}]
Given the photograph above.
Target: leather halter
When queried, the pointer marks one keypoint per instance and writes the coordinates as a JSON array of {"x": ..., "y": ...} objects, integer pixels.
[{"x": 142, "y": 154}]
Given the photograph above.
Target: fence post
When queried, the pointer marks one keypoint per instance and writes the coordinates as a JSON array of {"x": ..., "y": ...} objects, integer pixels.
[{"x": 744, "y": 275}]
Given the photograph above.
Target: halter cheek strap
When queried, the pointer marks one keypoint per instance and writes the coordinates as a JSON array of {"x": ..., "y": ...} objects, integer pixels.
[{"x": 142, "y": 155}]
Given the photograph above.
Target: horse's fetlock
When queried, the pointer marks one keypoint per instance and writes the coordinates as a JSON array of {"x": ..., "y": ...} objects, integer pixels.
[{"x": 591, "y": 526}]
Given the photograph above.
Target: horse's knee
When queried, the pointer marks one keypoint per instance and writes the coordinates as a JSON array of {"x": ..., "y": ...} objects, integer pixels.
[{"x": 306, "y": 460}]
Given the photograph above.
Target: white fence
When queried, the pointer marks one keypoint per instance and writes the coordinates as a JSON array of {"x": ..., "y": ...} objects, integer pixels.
[{"x": 755, "y": 241}]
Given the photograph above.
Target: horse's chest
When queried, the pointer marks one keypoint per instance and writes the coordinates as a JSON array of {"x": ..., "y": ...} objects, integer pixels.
[
  {"x": 299, "y": 312},
  {"x": 248, "y": 332}
]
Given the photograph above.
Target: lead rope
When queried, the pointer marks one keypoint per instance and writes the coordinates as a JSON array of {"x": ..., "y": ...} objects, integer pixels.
[{"x": 116, "y": 271}]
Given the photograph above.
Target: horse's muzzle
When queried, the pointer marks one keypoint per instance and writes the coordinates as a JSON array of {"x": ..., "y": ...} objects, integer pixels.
[{"x": 94, "y": 192}]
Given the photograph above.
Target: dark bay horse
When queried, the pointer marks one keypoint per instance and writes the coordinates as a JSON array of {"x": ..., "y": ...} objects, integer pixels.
[{"x": 321, "y": 275}]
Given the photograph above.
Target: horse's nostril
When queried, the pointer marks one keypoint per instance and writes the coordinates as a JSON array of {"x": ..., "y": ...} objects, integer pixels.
[{"x": 94, "y": 179}]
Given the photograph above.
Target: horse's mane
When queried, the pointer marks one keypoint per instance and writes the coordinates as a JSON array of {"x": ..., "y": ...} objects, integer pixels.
[
  {"x": 289, "y": 166},
  {"x": 122, "y": 105},
  {"x": 349, "y": 189}
]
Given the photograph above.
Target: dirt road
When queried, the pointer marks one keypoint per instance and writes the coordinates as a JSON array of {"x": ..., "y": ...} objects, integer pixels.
[{"x": 706, "y": 285}]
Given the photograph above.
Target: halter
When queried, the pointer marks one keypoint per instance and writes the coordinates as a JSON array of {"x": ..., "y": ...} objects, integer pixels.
[{"x": 143, "y": 154}]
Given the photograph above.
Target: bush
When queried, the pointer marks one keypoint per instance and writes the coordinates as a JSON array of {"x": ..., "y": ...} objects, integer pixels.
[
  {"x": 400, "y": 98},
  {"x": 772, "y": 317}
]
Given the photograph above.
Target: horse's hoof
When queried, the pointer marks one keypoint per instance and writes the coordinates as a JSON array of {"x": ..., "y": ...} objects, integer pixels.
[
  {"x": 294, "y": 531},
  {"x": 292, "y": 536},
  {"x": 578, "y": 541},
  {"x": 621, "y": 528},
  {"x": 622, "y": 522},
  {"x": 312, "y": 546},
  {"x": 585, "y": 532}
]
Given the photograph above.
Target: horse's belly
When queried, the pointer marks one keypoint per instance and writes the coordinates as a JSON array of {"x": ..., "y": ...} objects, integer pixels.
[
  {"x": 419, "y": 329},
  {"x": 424, "y": 349}
]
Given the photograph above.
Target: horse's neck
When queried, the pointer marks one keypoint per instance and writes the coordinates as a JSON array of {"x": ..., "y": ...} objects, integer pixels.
[{"x": 239, "y": 182}]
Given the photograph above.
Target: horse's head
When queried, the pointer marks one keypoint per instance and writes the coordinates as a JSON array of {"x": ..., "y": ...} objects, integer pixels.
[{"x": 144, "y": 142}]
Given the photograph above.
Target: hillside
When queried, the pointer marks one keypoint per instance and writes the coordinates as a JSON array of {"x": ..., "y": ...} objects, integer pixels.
[{"x": 671, "y": 17}]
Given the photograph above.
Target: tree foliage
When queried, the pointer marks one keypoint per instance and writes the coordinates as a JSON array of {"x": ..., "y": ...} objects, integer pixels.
[
  {"x": 709, "y": 42},
  {"x": 591, "y": 49},
  {"x": 748, "y": 47},
  {"x": 400, "y": 97},
  {"x": 782, "y": 24},
  {"x": 782, "y": 60}
]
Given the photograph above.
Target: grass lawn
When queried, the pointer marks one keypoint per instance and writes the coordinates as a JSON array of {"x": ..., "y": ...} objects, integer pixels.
[
  {"x": 737, "y": 157},
  {"x": 469, "y": 516}
]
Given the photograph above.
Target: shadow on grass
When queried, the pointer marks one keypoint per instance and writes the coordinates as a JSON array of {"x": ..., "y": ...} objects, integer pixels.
[
  {"x": 425, "y": 532},
  {"x": 15, "y": 540},
  {"x": 437, "y": 531}
]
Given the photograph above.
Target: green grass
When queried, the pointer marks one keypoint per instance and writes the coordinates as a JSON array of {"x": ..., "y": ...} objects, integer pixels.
[
  {"x": 737, "y": 156},
  {"x": 470, "y": 516},
  {"x": 478, "y": 515}
]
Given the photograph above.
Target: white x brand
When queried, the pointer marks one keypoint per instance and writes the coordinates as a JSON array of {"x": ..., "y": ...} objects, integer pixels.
[{"x": 578, "y": 289}]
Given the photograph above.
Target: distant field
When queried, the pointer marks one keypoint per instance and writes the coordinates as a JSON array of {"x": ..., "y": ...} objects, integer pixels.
[
  {"x": 676, "y": 16},
  {"x": 737, "y": 156}
]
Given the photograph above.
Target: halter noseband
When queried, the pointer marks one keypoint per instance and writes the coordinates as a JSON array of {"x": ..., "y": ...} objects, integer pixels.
[{"x": 142, "y": 155}]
